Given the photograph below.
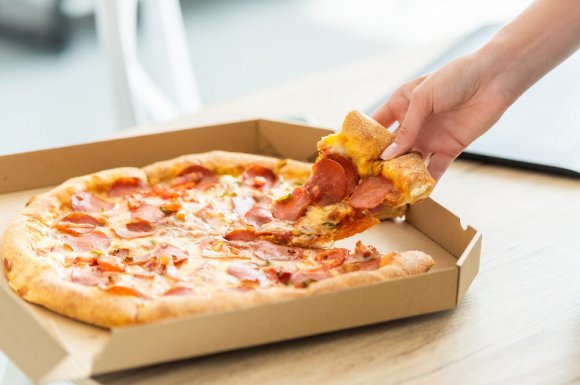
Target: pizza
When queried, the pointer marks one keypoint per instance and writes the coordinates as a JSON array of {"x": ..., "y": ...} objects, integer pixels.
[
  {"x": 350, "y": 189},
  {"x": 211, "y": 232}
]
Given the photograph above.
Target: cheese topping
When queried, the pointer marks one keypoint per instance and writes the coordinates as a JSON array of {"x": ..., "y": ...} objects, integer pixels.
[{"x": 190, "y": 235}]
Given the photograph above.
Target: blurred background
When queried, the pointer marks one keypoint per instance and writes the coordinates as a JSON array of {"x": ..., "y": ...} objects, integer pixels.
[
  {"x": 57, "y": 88},
  {"x": 55, "y": 83}
]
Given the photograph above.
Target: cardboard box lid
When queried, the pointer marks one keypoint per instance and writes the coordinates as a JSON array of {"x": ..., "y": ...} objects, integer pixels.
[{"x": 47, "y": 346}]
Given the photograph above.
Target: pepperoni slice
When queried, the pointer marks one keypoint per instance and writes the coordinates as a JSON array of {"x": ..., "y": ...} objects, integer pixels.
[
  {"x": 149, "y": 213},
  {"x": 331, "y": 257},
  {"x": 218, "y": 248},
  {"x": 78, "y": 223},
  {"x": 82, "y": 218},
  {"x": 259, "y": 176},
  {"x": 272, "y": 252},
  {"x": 123, "y": 254},
  {"x": 350, "y": 171},
  {"x": 86, "y": 202},
  {"x": 165, "y": 250},
  {"x": 121, "y": 290},
  {"x": 137, "y": 228},
  {"x": 283, "y": 277},
  {"x": 74, "y": 228},
  {"x": 178, "y": 290},
  {"x": 197, "y": 176},
  {"x": 243, "y": 204},
  {"x": 178, "y": 255},
  {"x": 372, "y": 191},
  {"x": 247, "y": 272},
  {"x": 164, "y": 192},
  {"x": 305, "y": 279},
  {"x": 292, "y": 207},
  {"x": 126, "y": 186},
  {"x": 258, "y": 216},
  {"x": 370, "y": 264},
  {"x": 327, "y": 184},
  {"x": 95, "y": 240},
  {"x": 110, "y": 263},
  {"x": 88, "y": 276},
  {"x": 241, "y": 235}
]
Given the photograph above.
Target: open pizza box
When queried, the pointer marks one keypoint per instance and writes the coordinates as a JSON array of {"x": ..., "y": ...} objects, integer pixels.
[{"x": 48, "y": 347}]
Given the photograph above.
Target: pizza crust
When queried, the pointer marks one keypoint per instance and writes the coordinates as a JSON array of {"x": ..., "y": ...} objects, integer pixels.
[
  {"x": 405, "y": 264},
  {"x": 409, "y": 175},
  {"x": 361, "y": 139}
]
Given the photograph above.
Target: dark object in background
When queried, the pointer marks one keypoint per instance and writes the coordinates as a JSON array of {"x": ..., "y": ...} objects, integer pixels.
[{"x": 35, "y": 22}]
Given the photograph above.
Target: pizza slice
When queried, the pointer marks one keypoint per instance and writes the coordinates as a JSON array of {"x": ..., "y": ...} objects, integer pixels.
[
  {"x": 394, "y": 183},
  {"x": 350, "y": 188}
]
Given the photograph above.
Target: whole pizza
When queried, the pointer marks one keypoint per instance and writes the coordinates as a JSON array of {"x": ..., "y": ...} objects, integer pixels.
[{"x": 215, "y": 231}]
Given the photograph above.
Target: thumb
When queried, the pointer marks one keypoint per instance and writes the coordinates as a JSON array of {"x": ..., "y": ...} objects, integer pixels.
[
  {"x": 406, "y": 134},
  {"x": 439, "y": 163}
]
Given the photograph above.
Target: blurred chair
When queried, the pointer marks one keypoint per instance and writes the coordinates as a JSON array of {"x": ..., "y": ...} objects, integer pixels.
[{"x": 138, "y": 98}]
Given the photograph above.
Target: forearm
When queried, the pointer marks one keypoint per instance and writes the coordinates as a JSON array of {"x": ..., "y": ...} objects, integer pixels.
[{"x": 538, "y": 40}]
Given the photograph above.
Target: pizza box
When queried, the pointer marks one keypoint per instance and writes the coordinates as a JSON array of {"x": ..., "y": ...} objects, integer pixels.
[{"x": 49, "y": 347}]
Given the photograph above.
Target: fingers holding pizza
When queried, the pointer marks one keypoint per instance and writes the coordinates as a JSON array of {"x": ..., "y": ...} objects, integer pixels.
[{"x": 351, "y": 188}]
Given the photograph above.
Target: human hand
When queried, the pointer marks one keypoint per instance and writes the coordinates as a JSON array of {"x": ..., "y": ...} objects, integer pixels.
[{"x": 440, "y": 114}]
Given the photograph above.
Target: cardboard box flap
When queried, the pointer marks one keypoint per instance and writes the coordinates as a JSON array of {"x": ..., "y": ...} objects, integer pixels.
[
  {"x": 453, "y": 236},
  {"x": 462, "y": 242},
  {"x": 468, "y": 265},
  {"x": 20, "y": 328},
  {"x": 56, "y": 347},
  {"x": 294, "y": 141}
]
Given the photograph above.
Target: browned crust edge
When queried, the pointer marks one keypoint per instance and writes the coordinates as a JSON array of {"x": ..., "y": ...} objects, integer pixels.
[
  {"x": 403, "y": 265},
  {"x": 369, "y": 133}
]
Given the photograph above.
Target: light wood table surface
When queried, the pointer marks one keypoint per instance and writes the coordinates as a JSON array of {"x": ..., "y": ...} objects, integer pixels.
[{"x": 518, "y": 324}]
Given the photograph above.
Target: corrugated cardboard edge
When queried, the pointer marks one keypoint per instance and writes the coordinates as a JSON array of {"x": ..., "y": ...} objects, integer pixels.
[
  {"x": 462, "y": 242},
  {"x": 468, "y": 266}
]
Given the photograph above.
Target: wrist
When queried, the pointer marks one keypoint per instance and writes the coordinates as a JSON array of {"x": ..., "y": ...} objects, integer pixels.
[{"x": 498, "y": 63}]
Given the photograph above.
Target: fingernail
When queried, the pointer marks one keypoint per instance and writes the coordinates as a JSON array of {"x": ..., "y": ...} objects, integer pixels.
[{"x": 389, "y": 151}]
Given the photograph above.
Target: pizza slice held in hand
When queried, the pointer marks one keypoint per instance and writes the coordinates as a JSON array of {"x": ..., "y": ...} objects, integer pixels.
[{"x": 351, "y": 188}]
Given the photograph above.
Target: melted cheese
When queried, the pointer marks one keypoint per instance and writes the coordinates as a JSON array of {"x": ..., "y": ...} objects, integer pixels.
[
  {"x": 205, "y": 215},
  {"x": 342, "y": 144}
]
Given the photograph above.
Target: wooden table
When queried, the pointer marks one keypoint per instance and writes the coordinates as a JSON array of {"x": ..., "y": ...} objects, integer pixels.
[{"x": 520, "y": 321}]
